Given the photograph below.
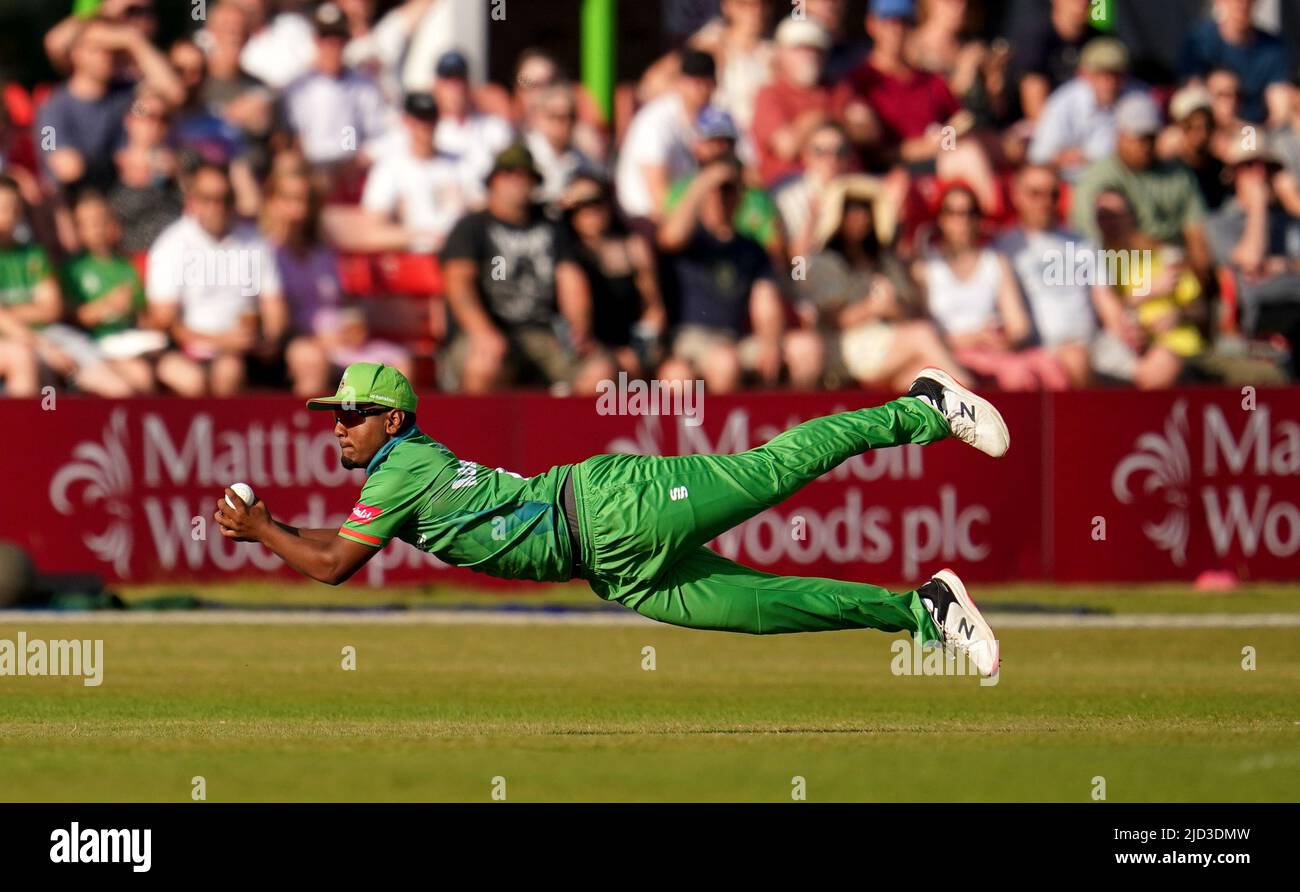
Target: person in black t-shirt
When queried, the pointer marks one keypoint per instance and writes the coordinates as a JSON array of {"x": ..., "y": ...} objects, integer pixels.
[{"x": 520, "y": 304}]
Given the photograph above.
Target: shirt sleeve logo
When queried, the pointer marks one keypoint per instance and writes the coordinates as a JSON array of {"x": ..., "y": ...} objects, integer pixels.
[{"x": 363, "y": 514}]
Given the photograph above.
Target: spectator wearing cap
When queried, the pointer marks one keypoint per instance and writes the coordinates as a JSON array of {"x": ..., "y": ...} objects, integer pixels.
[
  {"x": 657, "y": 146},
  {"x": 1254, "y": 236},
  {"x": 549, "y": 135},
  {"x": 335, "y": 111},
  {"x": 1163, "y": 194},
  {"x": 742, "y": 55},
  {"x": 732, "y": 321},
  {"x": 86, "y": 113},
  {"x": 1077, "y": 124},
  {"x": 412, "y": 198},
  {"x": 756, "y": 214},
  {"x": 1189, "y": 138},
  {"x": 1045, "y": 51},
  {"x": 795, "y": 103},
  {"x": 628, "y": 317},
  {"x": 898, "y": 114},
  {"x": 213, "y": 286},
  {"x": 470, "y": 137},
  {"x": 1228, "y": 39},
  {"x": 1060, "y": 306},
  {"x": 520, "y": 305}
]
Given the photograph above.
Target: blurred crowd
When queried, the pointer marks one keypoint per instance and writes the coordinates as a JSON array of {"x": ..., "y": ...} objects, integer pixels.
[{"x": 799, "y": 201}]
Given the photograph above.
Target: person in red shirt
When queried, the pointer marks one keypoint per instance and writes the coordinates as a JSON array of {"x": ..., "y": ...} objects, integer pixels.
[
  {"x": 899, "y": 114},
  {"x": 790, "y": 108}
]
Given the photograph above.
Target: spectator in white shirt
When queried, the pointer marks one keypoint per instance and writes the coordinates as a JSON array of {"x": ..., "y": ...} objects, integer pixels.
[
  {"x": 657, "y": 147},
  {"x": 414, "y": 194},
  {"x": 212, "y": 284},
  {"x": 549, "y": 136},
  {"x": 1077, "y": 125},
  {"x": 1043, "y": 255},
  {"x": 335, "y": 110},
  {"x": 473, "y": 139}
]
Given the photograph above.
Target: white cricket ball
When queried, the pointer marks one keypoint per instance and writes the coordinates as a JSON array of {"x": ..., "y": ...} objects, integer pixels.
[{"x": 244, "y": 491}]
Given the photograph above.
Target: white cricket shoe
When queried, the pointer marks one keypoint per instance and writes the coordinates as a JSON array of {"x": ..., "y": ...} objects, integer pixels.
[
  {"x": 960, "y": 621},
  {"x": 971, "y": 419}
]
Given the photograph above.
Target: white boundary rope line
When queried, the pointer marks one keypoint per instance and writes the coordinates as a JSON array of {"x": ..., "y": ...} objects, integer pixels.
[{"x": 494, "y": 617}]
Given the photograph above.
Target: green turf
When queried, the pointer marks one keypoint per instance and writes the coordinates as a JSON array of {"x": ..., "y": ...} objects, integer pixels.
[{"x": 567, "y": 713}]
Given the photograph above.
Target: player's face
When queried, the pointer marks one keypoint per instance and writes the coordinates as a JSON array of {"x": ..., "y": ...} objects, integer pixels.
[
  {"x": 360, "y": 435},
  {"x": 363, "y": 431}
]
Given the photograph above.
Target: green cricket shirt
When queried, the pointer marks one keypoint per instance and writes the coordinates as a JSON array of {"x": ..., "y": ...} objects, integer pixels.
[
  {"x": 469, "y": 515},
  {"x": 22, "y": 268},
  {"x": 88, "y": 278}
]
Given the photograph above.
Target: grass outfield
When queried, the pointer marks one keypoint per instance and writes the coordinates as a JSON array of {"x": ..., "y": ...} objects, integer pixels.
[{"x": 567, "y": 713}]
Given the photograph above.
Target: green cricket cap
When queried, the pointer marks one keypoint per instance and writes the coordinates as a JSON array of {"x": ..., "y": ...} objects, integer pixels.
[{"x": 370, "y": 384}]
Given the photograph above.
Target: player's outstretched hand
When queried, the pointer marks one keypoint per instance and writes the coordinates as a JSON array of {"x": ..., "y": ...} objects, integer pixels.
[{"x": 243, "y": 523}]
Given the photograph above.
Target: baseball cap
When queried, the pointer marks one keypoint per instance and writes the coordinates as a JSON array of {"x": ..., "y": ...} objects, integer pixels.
[
  {"x": 421, "y": 106},
  {"x": 698, "y": 64},
  {"x": 715, "y": 123},
  {"x": 1104, "y": 54},
  {"x": 893, "y": 9},
  {"x": 802, "y": 32},
  {"x": 329, "y": 21},
  {"x": 370, "y": 384},
  {"x": 1237, "y": 154},
  {"x": 452, "y": 64},
  {"x": 1136, "y": 114},
  {"x": 514, "y": 157},
  {"x": 1188, "y": 100}
]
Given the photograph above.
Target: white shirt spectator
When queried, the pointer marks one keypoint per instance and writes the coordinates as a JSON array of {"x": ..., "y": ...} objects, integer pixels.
[
  {"x": 427, "y": 195},
  {"x": 1071, "y": 118},
  {"x": 659, "y": 134},
  {"x": 1061, "y": 306},
  {"x": 961, "y": 306},
  {"x": 473, "y": 142},
  {"x": 556, "y": 167},
  {"x": 280, "y": 52},
  {"x": 335, "y": 117},
  {"x": 216, "y": 282}
]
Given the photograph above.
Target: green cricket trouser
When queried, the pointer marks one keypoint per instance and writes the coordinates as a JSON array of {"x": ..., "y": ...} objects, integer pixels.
[{"x": 644, "y": 521}]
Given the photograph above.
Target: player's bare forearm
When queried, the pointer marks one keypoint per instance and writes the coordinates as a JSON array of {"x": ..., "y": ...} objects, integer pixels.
[
  {"x": 330, "y": 561},
  {"x": 321, "y": 535},
  {"x": 318, "y": 554}
]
